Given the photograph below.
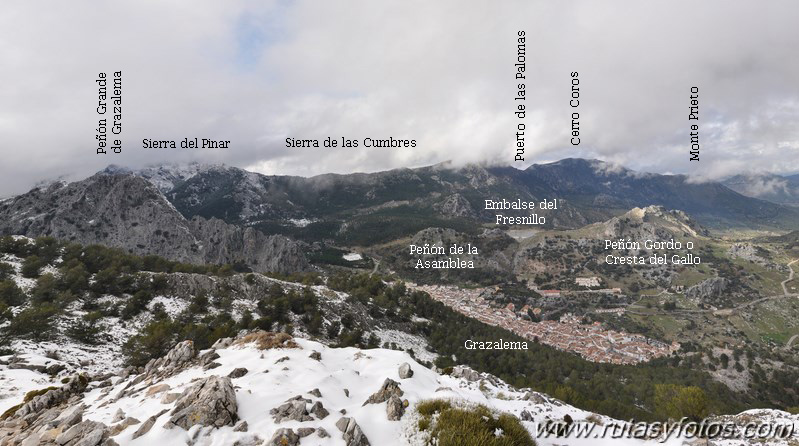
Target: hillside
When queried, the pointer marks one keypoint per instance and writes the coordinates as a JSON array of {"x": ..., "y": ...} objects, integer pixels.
[
  {"x": 101, "y": 309},
  {"x": 126, "y": 211},
  {"x": 268, "y": 388}
]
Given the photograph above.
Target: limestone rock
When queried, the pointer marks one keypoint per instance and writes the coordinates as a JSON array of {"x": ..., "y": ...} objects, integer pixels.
[
  {"x": 305, "y": 431},
  {"x": 238, "y": 372},
  {"x": 394, "y": 408},
  {"x": 405, "y": 371},
  {"x": 209, "y": 402},
  {"x": 456, "y": 205},
  {"x": 124, "y": 424},
  {"x": 388, "y": 389},
  {"x": 174, "y": 360},
  {"x": 158, "y": 388},
  {"x": 169, "y": 398},
  {"x": 53, "y": 397},
  {"x": 466, "y": 373},
  {"x": 118, "y": 416},
  {"x": 119, "y": 209},
  {"x": 222, "y": 343},
  {"x": 293, "y": 409},
  {"x": 147, "y": 425},
  {"x": 284, "y": 437},
  {"x": 707, "y": 289},
  {"x": 352, "y": 433},
  {"x": 319, "y": 410}
]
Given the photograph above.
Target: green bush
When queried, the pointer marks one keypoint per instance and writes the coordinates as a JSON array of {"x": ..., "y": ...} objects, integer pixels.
[
  {"x": 32, "y": 266},
  {"x": 155, "y": 340},
  {"x": 675, "y": 401},
  {"x": 34, "y": 322},
  {"x": 45, "y": 289},
  {"x": 86, "y": 328},
  {"x": 6, "y": 271},
  {"x": 136, "y": 304},
  {"x": 10, "y": 294},
  {"x": 477, "y": 426}
]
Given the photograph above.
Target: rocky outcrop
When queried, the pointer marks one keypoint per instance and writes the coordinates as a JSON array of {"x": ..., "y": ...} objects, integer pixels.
[
  {"x": 148, "y": 424},
  {"x": 467, "y": 373},
  {"x": 456, "y": 205},
  {"x": 707, "y": 289},
  {"x": 296, "y": 409},
  {"x": 351, "y": 432},
  {"x": 293, "y": 409},
  {"x": 209, "y": 402},
  {"x": 395, "y": 408},
  {"x": 53, "y": 397},
  {"x": 55, "y": 427},
  {"x": 233, "y": 244},
  {"x": 387, "y": 390},
  {"x": 126, "y": 211},
  {"x": 652, "y": 223},
  {"x": 284, "y": 437},
  {"x": 405, "y": 371},
  {"x": 174, "y": 360},
  {"x": 238, "y": 372}
]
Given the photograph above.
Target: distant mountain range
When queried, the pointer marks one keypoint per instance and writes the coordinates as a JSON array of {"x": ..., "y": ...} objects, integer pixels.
[
  {"x": 592, "y": 191},
  {"x": 222, "y": 214},
  {"x": 770, "y": 187}
]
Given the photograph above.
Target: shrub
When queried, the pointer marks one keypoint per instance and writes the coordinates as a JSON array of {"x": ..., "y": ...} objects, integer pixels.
[
  {"x": 34, "y": 321},
  {"x": 470, "y": 426},
  {"x": 11, "y": 294},
  {"x": 136, "y": 304},
  {"x": 675, "y": 401},
  {"x": 32, "y": 266},
  {"x": 266, "y": 340},
  {"x": 45, "y": 289},
  {"x": 154, "y": 341},
  {"x": 6, "y": 271},
  {"x": 86, "y": 328}
]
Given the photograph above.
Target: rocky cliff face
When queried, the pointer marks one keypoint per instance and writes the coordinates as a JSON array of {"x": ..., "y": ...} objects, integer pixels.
[
  {"x": 126, "y": 211},
  {"x": 708, "y": 289},
  {"x": 653, "y": 223}
]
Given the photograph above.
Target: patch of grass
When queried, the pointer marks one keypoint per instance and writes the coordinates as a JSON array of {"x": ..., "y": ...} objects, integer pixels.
[
  {"x": 473, "y": 426},
  {"x": 266, "y": 340}
]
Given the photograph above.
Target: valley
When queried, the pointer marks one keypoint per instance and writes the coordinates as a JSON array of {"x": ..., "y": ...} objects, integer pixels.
[{"x": 109, "y": 273}]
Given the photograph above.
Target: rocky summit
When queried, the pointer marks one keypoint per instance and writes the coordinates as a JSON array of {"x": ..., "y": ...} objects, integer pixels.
[{"x": 126, "y": 211}]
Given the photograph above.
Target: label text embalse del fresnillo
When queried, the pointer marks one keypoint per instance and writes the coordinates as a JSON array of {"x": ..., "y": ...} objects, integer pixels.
[{"x": 520, "y": 205}]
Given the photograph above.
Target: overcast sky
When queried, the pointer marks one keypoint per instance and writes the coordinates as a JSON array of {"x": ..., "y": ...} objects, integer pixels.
[{"x": 256, "y": 72}]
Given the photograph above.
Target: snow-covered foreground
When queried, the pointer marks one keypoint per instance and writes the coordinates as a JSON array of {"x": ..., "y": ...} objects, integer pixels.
[{"x": 339, "y": 380}]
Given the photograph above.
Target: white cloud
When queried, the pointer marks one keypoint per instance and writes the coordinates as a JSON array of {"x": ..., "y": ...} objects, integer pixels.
[{"x": 438, "y": 72}]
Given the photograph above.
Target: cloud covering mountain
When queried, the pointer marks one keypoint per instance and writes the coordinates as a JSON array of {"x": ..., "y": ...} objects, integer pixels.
[{"x": 440, "y": 73}]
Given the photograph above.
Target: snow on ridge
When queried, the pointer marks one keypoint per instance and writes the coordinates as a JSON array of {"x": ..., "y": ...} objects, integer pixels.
[{"x": 344, "y": 378}]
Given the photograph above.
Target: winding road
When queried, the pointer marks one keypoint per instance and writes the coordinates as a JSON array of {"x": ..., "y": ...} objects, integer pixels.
[
  {"x": 790, "y": 277},
  {"x": 732, "y": 310}
]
